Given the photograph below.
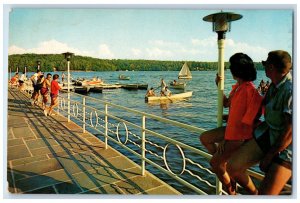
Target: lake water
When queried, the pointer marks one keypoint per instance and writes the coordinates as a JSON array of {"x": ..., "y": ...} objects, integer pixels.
[{"x": 199, "y": 111}]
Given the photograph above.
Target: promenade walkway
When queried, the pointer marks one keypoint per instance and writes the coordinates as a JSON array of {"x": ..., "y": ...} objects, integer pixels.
[{"x": 48, "y": 155}]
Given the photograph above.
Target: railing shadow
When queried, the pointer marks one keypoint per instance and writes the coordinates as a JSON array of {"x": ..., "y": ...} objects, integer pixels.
[
  {"x": 47, "y": 122},
  {"x": 57, "y": 186}
]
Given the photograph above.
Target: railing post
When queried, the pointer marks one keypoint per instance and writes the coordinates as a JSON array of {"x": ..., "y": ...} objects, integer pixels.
[
  {"x": 59, "y": 103},
  {"x": 83, "y": 114},
  {"x": 69, "y": 102},
  {"x": 69, "y": 107},
  {"x": 218, "y": 186},
  {"x": 143, "y": 144},
  {"x": 106, "y": 125}
]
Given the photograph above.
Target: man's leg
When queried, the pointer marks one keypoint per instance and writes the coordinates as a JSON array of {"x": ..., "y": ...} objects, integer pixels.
[{"x": 275, "y": 179}]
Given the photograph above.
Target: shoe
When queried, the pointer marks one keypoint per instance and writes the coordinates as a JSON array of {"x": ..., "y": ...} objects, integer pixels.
[{"x": 45, "y": 112}]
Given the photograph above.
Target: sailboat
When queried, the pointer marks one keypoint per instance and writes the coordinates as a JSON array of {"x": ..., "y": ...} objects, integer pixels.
[{"x": 185, "y": 72}]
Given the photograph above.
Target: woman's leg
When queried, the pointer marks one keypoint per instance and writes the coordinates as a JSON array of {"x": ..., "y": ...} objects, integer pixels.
[
  {"x": 211, "y": 137},
  {"x": 218, "y": 164},
  {"x": 246, "y": 156},
  {"x": 54, "y": 103}
]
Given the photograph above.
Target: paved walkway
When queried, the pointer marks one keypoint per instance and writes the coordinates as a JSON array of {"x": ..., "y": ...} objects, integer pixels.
[{"x": 48, "y": 155}]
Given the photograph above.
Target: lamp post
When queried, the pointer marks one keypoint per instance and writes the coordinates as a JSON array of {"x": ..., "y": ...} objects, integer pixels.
[
  {"x": 68, "y": 56},
  {"x": 221, "y": 24},
  {"x": 25, "y": 69},
  {"x": 38, "y": 64}
]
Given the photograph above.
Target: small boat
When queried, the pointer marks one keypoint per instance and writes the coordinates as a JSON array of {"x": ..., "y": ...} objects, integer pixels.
[
  {"x": 185, "y": 72},
  {"x": 84, "y": 82},
  {"x": 82, "y": 89},
  {"x": 88, "y": 82},
  {"x": 110, "y": 86},
  {"x": 174, "y": 97},
  {"x": 123, "y": 77},
  {"x": 136, "y": 86},
  {"x": 178, "y": 85},
  {"x": 96, "y": 89},
  {"x": 65, "y": 88},
  {"x": 142, "y": 86},
  {"x": 131, "y": 86}
]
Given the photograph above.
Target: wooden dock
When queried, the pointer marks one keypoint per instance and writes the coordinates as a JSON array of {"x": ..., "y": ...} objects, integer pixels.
[{"x": 48, "y": 155}]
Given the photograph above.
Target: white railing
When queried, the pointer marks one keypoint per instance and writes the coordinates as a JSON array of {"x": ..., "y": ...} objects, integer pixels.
[{"x": 147, "y": 145}]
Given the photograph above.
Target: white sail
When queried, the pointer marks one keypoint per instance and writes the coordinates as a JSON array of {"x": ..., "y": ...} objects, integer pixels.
[{"x": 185, "y": 72}]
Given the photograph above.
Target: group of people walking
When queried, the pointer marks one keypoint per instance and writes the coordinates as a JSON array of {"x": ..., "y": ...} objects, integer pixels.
[
  {"x": 42, "y": 86},
  {"x": 245, "y": 140}
]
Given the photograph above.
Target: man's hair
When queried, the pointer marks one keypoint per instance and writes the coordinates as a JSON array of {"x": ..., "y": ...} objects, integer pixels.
[{"x": 281, "y": 60}]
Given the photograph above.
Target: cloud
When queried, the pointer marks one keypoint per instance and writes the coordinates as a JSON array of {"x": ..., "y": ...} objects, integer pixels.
[
  {"x": 105, "y": 52},
  {"x": 136, "y": 52},
  {"x": 48, "y": 47},
  {"x": 158, "y": 54},
  {"x": 208, "y": 42},
  {"x": 195, "y": 49},
  {"x": 163, "y": 43},
  {"x": 16, "y": 50},
  {"x": 209, "y": 46},
  {"x": 257, "y": 53}
]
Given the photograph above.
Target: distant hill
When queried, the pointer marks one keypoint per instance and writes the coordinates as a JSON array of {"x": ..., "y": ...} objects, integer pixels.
[{"x": 50, "y": 62}]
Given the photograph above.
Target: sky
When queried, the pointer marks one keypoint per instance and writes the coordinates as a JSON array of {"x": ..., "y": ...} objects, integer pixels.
[{"x": 141, "y": 33}]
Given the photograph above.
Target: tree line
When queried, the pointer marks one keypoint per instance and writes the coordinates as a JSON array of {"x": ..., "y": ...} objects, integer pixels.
[{"x": 56, "y": 62}]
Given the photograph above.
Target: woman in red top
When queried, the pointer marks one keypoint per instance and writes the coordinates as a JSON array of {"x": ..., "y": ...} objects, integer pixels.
[
  {"x": 244, "y": 104},
  {"x": 54, "y": 94}
]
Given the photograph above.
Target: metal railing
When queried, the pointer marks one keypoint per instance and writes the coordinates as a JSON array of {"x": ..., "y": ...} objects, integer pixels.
[{"x": 149, "y": 146}]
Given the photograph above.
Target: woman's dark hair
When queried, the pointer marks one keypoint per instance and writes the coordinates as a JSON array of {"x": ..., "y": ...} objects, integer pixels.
[{"x": 242, "y": 66}]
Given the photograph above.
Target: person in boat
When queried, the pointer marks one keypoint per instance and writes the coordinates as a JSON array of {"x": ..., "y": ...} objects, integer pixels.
[
  {"x": 244, "y": 104},
  {"x": 150, "y": 93},
  {"x": 266, "y": 87},
  {"x": 174, "y": 82},
  {"x": 162, "y": 84},
  {"x": 272, "y": 143},
  {"x": 63, "y": 77},
  {"x": 166, "y": 92}
]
